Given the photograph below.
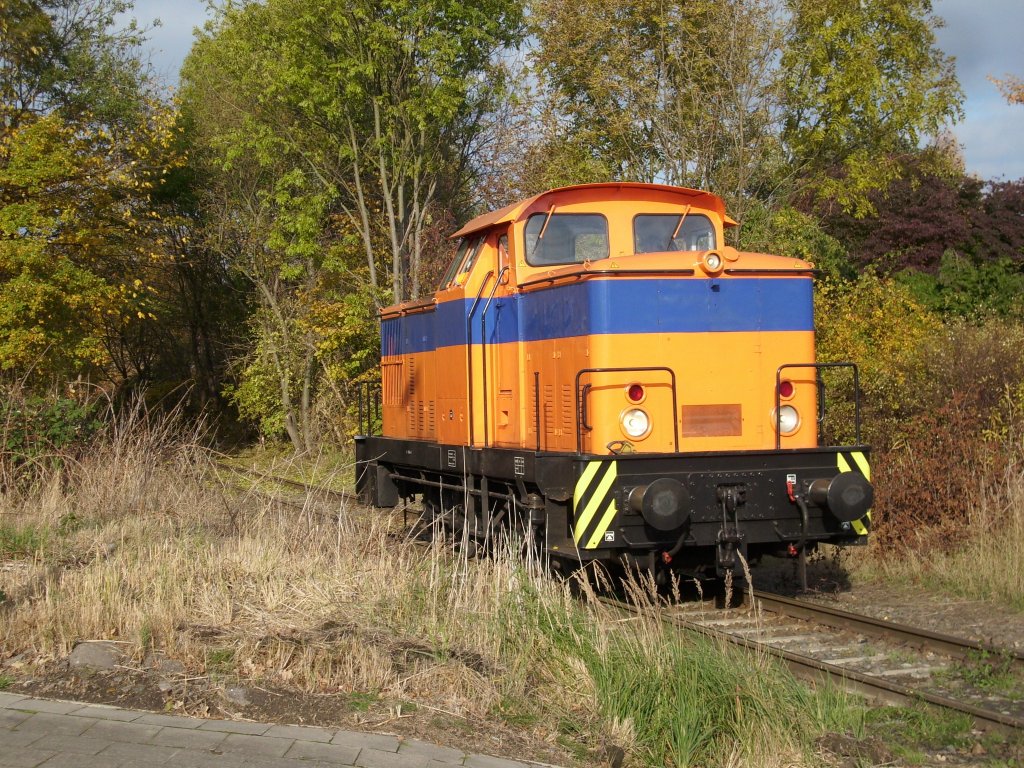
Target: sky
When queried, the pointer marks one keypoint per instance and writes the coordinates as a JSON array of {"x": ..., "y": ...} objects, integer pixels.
[{"x": 983, "y": 35}]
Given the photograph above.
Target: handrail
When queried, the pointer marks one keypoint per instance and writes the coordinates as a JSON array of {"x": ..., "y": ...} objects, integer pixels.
[
  {"x": 368, "y": 405},
  {"x": 408, "y": 308},
  {"x": 821, "y": 405},
  {"x": 775, "y": 271},
  {"x": 585, "y": 273},
  {"x": 469, "y": 351},
  {"x": 483, "y": 346},
  {"x": 669, "y": 371}
]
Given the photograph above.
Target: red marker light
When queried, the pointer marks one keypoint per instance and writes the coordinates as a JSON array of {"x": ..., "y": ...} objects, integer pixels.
[
  {"x": 785, "y": 389},
  {"x": 635, "y": 393}
]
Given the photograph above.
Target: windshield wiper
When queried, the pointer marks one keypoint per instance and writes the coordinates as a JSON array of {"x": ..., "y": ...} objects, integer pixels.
[
  {"x": 543, "y": 229},
  {"x": 679, "y": 225}
]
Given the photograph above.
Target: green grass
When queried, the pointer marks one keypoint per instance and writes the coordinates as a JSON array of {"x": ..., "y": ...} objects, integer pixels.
[
  {"x": 363, "y": 702},
  {"x": 21, "y": 541},
  {"x": 910, "y": 731},
  {"x": 990, "y": 672},
  {"x": 331, "y": 469},
  {"x": 671, "y": 698},
  {"x": 6, "y": 681},
  {"x": 220, "y": 660}
]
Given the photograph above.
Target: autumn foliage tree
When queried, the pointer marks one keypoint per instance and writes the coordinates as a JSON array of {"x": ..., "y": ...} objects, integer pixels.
[
  {"x": 84, "y": 143},
  {"x": 755, "y": 99},
  {"x": 335, "y": 139}
]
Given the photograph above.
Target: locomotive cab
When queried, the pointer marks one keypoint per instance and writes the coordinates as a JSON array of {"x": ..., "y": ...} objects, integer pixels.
[{"x": 598, "y": 368}]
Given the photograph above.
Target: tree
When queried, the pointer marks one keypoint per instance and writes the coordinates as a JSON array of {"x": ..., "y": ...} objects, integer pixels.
[
  {"x": 83, "y": 146},
  {"x": 334, "y": 135},
  {"x": 1011, "y": 87},
  {"x": 76, "y": 240},
  {"x": 69, "y": 55},
  {"x": 759, "y": 100},
  {"x": 379, "y": 102},
  {"x": 865, "y": 82},
  {"x": 917, "y": 218},
  {"x": 997, "y": 224},
  {"x": 676, "y": 92}
]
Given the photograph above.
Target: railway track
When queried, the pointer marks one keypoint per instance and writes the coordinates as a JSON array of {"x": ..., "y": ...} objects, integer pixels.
[
  {"x": 884, "y": 661},
  {"x": 308, "y": 488}
]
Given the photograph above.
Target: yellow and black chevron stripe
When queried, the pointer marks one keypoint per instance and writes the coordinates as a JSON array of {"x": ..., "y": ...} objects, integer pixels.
[
  {"x": 856, "y": 461},
  {"x": 594, "y": 503}
]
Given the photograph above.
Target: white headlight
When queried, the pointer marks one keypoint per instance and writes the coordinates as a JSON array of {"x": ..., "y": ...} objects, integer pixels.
[
  {"x": 712, "y": 262},
  {"x": 787, "y": 419},
  {"x": 635, "y": 422}
]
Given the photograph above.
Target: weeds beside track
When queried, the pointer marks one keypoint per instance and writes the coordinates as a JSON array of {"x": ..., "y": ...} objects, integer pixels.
[{"x": 807, "y": 637}]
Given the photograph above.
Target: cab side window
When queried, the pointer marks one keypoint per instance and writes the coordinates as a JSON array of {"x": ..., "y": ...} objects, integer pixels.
[{"x": 467, "y": 251}]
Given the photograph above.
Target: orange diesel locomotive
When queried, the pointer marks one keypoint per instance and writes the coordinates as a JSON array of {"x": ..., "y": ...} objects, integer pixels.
[{"x": 600, "y": 370}]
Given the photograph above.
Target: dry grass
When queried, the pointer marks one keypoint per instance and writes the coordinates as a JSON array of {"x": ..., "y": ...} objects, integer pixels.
[
  {"x": 139, "y": 541},
  {"x": 989, "y": 564}
]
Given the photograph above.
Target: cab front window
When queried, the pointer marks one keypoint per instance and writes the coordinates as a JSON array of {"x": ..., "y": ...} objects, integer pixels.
[
  {"x": 656, "y": 233},
  {"x": 565, "y": 238}
]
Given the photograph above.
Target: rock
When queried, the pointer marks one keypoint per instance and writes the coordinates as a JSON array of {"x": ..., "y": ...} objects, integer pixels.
[
  {"x": 156, "y": 661},
  {"x": 165, "y": 686},
  {"x": 614, "y": 756},
  {"x": 238, "y": 696},
  {"x": 95, "y": 655},
  {"x": 871, "y": 749}
]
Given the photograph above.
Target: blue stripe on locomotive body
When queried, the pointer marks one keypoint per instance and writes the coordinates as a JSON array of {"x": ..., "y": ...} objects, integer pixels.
[{"x": 612, "y": 306}]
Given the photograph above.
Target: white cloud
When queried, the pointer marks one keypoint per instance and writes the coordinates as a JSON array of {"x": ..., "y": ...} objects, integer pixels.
[{"x": 984, "y": 37}]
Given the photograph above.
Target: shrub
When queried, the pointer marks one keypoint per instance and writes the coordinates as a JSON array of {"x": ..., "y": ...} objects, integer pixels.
[
  {"x": 967, "y": 289},
  {"x": 928, "y": 484},
  {"x": 878, "y": 325},
  {"x": 36, "y": 429}
]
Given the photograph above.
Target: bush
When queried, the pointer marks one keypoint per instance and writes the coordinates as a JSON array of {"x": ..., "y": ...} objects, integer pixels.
[
  {"x": 788, "y": 232},
  {"x": 964, "y": 288},
  {"x": 36, "y": 429},
  {"x": 928, "y": 484},
  {"x": 878, "y": 325}
]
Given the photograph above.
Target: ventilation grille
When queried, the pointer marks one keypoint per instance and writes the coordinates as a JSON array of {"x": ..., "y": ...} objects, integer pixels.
[
  {"x": 549, "y": 410},
  {"x": 391, "y": 379},
  {"x": 568, "y": 408}
]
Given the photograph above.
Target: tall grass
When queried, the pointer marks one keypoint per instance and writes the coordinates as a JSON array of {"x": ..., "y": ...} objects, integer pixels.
[
  {"x": 989, "y": 562},
  {"x": 140, "y": 542}
]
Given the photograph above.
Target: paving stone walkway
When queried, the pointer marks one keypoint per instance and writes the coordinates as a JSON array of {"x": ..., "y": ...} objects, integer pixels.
[{"x": 66, "y": 734}]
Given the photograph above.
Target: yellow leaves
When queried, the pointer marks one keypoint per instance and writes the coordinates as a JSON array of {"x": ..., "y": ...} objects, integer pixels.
[{"x": 1011, "y": 87}]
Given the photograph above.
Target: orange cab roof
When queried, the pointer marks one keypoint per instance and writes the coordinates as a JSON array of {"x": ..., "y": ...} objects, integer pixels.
[{"x": 512, "y": 212}]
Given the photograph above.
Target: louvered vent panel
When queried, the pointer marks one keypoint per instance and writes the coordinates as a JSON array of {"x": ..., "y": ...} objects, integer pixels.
[
  {"x": 568, "y": 406},
  {"x": 391, "y": 376},
  {"x": 548, "y": 402}
]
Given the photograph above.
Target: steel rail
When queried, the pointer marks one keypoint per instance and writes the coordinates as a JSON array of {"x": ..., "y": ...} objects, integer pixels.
[
  {"x": 307, "y": 487},
  {"x": 922, "y": 639},
  {"x": 877, "y": 688}
]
